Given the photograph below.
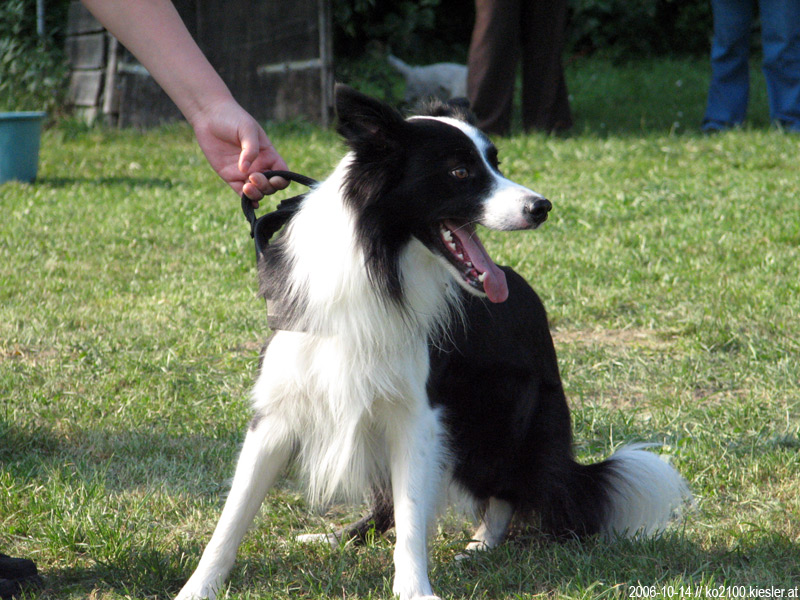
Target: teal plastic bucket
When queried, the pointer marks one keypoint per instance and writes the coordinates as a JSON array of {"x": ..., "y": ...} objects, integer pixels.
[{"x": 20, "y": 133}]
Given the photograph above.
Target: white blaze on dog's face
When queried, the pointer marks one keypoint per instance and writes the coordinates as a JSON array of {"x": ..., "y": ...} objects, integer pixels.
[
  {"x": 505, "y": 205},
  {"x": 508, "y": 206},
  {"x": 433, "y": 178}
]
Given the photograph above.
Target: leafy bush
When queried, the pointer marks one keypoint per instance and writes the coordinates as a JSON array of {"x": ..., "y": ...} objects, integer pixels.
[
  {"x": 420, "y": 30},
  {"x": 32, "y": 70},
  {"x": 646, "y": 27},
  {"x": 440, "y": 29}
]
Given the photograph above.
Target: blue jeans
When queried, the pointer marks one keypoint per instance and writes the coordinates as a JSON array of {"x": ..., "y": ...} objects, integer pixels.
[{"x": 730, "y": 78}]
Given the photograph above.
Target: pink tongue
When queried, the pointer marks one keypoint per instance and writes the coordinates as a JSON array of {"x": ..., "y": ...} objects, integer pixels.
[{"x": 494, "y": 283}]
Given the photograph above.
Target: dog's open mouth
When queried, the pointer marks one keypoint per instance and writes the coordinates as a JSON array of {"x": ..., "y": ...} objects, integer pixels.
[{"x": 464, "y": 250}]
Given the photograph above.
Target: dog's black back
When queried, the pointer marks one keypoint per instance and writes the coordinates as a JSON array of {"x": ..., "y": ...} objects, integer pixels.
[{"x": 497, "y": 379}]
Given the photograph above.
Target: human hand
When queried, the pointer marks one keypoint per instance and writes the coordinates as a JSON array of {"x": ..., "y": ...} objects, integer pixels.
[{"x": 238, "y": 149}]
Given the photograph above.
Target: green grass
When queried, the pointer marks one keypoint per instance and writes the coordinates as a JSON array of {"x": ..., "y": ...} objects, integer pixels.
[{"x": 130, "y": 328}]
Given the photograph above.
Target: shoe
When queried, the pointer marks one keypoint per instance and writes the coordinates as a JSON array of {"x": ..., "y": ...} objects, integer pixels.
[
  {"x": 17, "y": 574},
  {"x": 711, "y": 127}
]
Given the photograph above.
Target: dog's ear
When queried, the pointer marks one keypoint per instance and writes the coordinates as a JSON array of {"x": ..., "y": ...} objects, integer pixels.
[{"x": 365, "y": 122}]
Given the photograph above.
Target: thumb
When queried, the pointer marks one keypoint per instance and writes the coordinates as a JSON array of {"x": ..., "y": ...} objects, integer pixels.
[{"x": 251, "y": 144}]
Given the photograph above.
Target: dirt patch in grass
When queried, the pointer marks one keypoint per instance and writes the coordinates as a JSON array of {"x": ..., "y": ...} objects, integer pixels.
[
  {"x": 631, "y": 337},
  {"x": 614, "y": 353},
  {"x": 28, "y": 355}
]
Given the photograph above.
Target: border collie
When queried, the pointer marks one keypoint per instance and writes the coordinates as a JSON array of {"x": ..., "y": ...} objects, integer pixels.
[{"x": 410, "y": 359}]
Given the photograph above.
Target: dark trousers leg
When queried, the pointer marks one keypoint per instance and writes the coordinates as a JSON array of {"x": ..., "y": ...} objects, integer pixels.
[
  {"x": 492, "y": 63},
  {"x": 545, "y": 101}
]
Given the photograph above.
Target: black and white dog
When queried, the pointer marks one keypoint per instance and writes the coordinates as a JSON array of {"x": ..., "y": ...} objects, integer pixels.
[{"x": 412, "y": 360}]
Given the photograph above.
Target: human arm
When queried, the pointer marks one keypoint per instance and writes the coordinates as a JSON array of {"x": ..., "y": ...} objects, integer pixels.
[{"x": 234, "y": 143}]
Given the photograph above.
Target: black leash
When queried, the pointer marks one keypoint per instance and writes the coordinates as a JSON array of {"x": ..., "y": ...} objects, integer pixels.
[
  {"x": 264, "y": 227},
  {"x": 267, "y": 225}
]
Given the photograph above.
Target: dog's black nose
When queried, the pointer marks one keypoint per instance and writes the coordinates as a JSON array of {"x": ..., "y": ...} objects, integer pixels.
[{"x": 536, "y": 210}]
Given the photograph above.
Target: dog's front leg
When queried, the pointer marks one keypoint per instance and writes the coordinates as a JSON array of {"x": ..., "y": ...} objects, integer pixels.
[
  {"x": 416, "y": 465},
  {"x": 265, "y": 452}
]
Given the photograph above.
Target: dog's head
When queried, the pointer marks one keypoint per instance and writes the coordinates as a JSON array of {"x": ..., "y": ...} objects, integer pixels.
[{"x": 433, "y": 176}]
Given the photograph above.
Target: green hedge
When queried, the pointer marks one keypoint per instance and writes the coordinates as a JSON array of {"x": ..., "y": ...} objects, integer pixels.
[
  {"x": 645, "y": 27},
  {"x": 32, "y": 70},
  {"x": 423, "y": 29}
]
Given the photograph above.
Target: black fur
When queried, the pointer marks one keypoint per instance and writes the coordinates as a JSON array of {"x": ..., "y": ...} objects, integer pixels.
[
  {"x": 273, "y": 275},
  {"x": 497, "y": 379},
  {"x": 400, "y": 184},
  {"x": 456, "y": 108},
  {"x": 495, "y": 374},
  {"x": 391, "y": 206}
]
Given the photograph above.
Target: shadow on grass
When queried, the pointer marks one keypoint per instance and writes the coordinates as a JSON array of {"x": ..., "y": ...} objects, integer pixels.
[
  {"x": 522, "y": 568},
  {"x": 124, "y": 181},
  {"x": 118, "y": 462},
  {"x": 117, "y": 472},
  {"x": 154, "y": 573},
  {"x": 532, "y": 565}
]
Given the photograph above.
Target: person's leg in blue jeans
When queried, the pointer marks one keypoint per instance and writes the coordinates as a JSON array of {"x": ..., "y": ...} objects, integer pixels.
[
  {"x": 730, "y": 78},
  {"x": 780, "y": 34}
]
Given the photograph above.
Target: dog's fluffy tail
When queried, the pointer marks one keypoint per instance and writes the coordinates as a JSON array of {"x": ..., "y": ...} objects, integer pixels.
[
  {"x": 633, "y": 493},
  {"x": 398, "y": 64},
  {"x": 644, "y": 493}
]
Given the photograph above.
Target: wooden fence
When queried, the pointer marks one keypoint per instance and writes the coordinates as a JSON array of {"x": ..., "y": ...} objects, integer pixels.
[{"x": 275, "y": 56}]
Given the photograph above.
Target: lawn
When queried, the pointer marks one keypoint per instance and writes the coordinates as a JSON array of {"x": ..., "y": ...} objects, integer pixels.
[{"x": 130, "y": 330}]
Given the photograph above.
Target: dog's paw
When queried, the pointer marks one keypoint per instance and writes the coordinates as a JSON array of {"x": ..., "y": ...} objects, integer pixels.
[
  {"x": 472, "y": 548},
  {"x": 416, "y": 592},
  {"x": 192, "y": 591},
  {"x": 183, "y": 595},
  {"x": 319, "y": 538}
]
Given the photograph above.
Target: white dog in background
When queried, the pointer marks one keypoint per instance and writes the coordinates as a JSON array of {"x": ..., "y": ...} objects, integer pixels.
[{"x": 440, "y": 80}]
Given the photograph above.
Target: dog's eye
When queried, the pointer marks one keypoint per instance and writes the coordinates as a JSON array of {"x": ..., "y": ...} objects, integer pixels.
[{"x": 460, "y": 173}]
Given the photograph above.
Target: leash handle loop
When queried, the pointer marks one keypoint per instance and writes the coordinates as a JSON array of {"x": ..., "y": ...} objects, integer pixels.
[
  {"x": 263, "y": 228},
  {"x": 247, "y": 203}
]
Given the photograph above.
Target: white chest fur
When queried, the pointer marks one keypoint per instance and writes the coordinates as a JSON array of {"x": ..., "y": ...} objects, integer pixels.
[{"x": 362, "y": 367}]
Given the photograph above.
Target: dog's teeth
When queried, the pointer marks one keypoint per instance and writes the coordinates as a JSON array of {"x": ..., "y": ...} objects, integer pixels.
[
  {"x": 469, "y": 264},
  {"x": 452, "y": 246},
  {"x": 447, "y": 235},
  {"x": 460, "y": 256},
  {"x": 481, "y": 277}
]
